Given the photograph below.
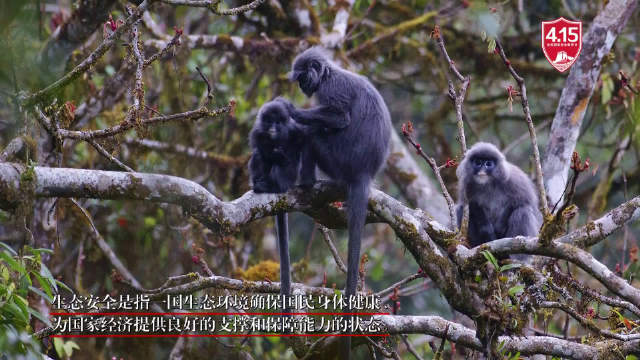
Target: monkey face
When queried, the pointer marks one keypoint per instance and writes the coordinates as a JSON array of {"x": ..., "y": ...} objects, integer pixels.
[
  {"x": 308, "y": 74},
  {"x": 275, "y": 122},
  {"x": 483, "y": 168}
]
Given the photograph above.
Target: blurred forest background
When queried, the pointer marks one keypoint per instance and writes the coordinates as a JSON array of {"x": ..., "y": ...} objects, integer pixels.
[{"x": 246, "y": 57}]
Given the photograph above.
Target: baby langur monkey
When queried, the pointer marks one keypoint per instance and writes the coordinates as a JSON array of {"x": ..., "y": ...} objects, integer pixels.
[
  {"x": 277, "y": 144},
  {"x": 502, "y": 199}
]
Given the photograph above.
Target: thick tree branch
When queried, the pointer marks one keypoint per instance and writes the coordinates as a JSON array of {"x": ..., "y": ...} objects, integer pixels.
[
  {"x": 577, "y": 92},
  {"x": 439, "y": 327},
  {"x": 565, "y": 248},
  {"x": 412, "y": 226},
  {"x": 340, "y": 22},
  {"x": 14, "y": 147},
  {"x": 423, "y": 237}
]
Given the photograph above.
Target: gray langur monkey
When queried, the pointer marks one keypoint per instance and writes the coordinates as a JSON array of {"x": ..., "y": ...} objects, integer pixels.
[
  {"x": 502, "y": 198},
  {"x": 351, "y": 129}
]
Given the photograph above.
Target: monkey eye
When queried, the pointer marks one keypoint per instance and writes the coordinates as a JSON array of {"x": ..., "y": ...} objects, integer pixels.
[
  {"x": 489, "y": 164},
  {"x": 477, "y": 163}
]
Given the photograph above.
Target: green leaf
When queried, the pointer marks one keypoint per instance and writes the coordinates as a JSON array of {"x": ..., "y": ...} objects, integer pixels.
[
  {"x": 510, "y": 266},
  {"x": 19, "y": 309},
  {"x": 58, "y": 344},
  {"x": 4, "y": 273},
  {"x": 9, "y": 248},
  {"x": 620, "y": 317},
  {"x": 44, "y": 284},
  {"x": 490, "y": 258},
  {"x": 44, "y": 271},
  {"x": 607, "y": 88},
  {"x": 69, "y": 346},
  {"x": 41, "y": 293},
  {"x": 13, "y": 264},
  {"x": 64, "y": 286},
  {"x": 516, "y": 289},
  {"x": 492, "y": 46},
  {"x": 41, "y": 250},
  {"x": 39, "y": 315},
  {"x": 149, "y": 221}
]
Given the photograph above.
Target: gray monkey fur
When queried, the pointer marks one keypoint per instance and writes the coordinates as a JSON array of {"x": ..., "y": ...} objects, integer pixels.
[
  {"x": 350, "y": 141},
  {"x": 506, "y": 205}
]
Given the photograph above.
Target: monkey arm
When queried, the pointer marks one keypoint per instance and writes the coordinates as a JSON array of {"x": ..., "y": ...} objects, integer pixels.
[{"x": 323, "y": 116}]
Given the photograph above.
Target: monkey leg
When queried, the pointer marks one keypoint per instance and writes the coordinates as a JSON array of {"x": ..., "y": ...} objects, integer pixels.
[
  {"x": 522, "y": 222},
  {"x": 307, "y": 176}
]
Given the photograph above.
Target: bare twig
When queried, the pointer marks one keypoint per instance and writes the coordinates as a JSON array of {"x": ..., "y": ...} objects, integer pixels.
[
  {"x": 214, "y": 4},
  {"x": 124, "y": 126},
  {"x": 106, "y": 154},
  {"x": 407, "y": 130},
  {"x": 215, "y": 159},
  {"x": 586, "y": 322},
  {"x": 595, "y": 294},
  {"x": 204, "y": 78},
  {"x": 383, "y": 351},
  {"x": 544, "y": 208},
  {"x": 81, "y": 68},
  {"x": 438, "y": 354},
  {"x": 106, "y": 249},
  {"x": 326, "y": 235},
  {"x": 523, "y": 137},
  {"x": 51, "y": 127},
  {"x": 174, "y": 42},
  {"x": 138, "y": 90},
  {"x": 458, "y": 99},
  {"x": 364, "y": 16},
  {"x": 390, "y": 32},
  {"x": 412, "y": 350},
  {"x": 406, "y": 280}
]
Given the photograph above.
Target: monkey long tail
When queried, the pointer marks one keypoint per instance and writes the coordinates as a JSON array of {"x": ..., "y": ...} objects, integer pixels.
[
  {"x": 357, "y": 200},
  {"x": 282, "y": 230}
]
